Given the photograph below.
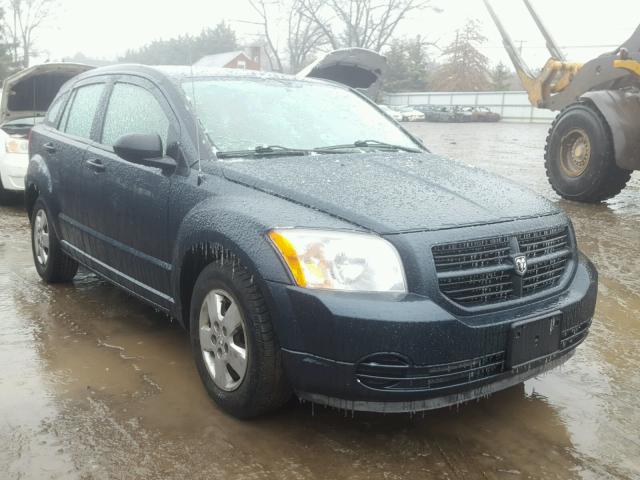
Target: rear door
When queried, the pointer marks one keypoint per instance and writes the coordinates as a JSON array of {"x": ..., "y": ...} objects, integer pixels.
[
  {"x": 67, "y": 139},
  {"x": 133, "y": 203}
]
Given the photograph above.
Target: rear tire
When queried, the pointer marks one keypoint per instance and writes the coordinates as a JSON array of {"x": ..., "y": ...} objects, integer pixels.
[
  {"x": 52, "y": 264},
  {"x": 252, "y": 382},
  {"x": 579, "y": 156}
]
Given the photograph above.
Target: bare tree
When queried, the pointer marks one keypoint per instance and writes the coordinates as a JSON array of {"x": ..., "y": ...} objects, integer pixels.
[
  {"x": 360, "y": 23},
  {"x": 260, "y": 6},
  {"x": 22, "y": 19},
  {"x": 303, "y": 36}
]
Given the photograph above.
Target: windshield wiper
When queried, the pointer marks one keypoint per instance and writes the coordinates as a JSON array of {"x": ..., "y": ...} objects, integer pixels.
[
  {"x": 276, "y": 151},
  {"x": 369, "y": 144},
  {"x": 280, "y": 151},
  {"x": 263, "y": 150}
]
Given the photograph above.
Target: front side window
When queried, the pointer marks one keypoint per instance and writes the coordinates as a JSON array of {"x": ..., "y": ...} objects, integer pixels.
[
  {"x": 83, "y": 110},
  {"x": 243, "y": 113},
  {"x": 133, "y": 109}
]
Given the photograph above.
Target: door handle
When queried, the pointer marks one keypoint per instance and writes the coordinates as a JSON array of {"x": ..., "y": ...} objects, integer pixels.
[
  {"x": 95, "y": 165},
  {"x": 49, "y": 147}
]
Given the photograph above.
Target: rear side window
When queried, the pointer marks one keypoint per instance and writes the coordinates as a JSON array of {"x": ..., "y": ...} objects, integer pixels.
[
  {"x": 54, "y": 110},
  {"x": 133, "y": 109},
  {"x": 82, "y": 110}
]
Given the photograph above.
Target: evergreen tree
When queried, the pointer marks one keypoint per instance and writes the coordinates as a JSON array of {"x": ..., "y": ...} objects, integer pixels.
[
  {"x": 501, "y": 78},
  {"x": 465, "y": 68},
  {"x": 186, "y": 49},
  {"x": 408, "y": 66}
]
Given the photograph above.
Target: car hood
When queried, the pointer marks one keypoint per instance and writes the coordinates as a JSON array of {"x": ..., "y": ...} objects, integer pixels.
[
  {"x": 29, "y": 92},
  {"x": 391, "y": 192},
  {"x": 357, "y": 68}
]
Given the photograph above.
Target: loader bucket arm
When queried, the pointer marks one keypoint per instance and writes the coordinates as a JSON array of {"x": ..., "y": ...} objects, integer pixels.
[
  {"x": 539, "y": 88},
  {"x": 561, "y": 83},
  {"x": 553, "y": 48},
  {"x": 519, "y": 64}
]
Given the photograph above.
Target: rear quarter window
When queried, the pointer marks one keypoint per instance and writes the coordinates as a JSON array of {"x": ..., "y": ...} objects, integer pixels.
[{"x": 54, "y": 110}]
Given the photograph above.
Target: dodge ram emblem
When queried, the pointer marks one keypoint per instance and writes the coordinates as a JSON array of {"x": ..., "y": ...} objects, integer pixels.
[{"x": 521, "y": 264}]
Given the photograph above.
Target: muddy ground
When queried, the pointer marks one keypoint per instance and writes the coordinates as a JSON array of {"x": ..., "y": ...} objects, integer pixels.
[{"x": 94, "y": 384}]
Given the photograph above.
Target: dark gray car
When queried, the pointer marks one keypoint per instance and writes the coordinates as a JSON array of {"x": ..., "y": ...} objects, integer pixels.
[{"x": 306, "y": 242}]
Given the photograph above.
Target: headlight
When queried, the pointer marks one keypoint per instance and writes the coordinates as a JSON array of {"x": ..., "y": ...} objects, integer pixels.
[
  {"x": 16, "y": 145},
  {"x": 337, "y": 260}
]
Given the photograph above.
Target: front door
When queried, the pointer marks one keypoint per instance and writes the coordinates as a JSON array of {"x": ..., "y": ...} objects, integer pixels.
[{"x": 133, "y": 213}]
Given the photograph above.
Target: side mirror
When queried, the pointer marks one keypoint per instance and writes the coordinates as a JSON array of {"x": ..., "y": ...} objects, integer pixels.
[{"x": 143, "y": 149}]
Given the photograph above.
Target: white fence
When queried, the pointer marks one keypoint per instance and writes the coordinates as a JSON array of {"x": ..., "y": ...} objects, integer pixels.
[{"x": 512, "y": 106}]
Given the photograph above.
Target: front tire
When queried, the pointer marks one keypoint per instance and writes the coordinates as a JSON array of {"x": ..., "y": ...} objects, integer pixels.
[
  {"x": 579, "y": 156},
  {"x": 52, "y": 264},
  {"x": 233, "y": 342}
]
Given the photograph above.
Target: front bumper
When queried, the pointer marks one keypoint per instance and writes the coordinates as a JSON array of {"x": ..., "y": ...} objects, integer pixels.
[
  {"x": 398, "y": 354},
  {"x": 13, "y": 168}
]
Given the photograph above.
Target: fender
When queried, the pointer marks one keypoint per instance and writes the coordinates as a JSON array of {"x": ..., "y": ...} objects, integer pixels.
[
  {"x": 39, "y": 183},
  {"x": 621, "y": 110},
  {"x": 38, "y": 176},
  {"x": 240, "y": 224}
]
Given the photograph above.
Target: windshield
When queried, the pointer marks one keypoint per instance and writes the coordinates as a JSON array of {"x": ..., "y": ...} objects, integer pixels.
[{"x": 244, "y": 113}]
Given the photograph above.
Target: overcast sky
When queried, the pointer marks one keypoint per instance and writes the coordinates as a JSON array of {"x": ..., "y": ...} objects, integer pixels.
[{"x": 105, "y": 29}]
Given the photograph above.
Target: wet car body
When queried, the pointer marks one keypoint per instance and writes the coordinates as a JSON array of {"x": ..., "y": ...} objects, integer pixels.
[
  {"x": 485, "y": 114},
  {"x": 471, "y": 321},
  {"x": 26, "y": 96},
  {"x": 478, "y": 114}
]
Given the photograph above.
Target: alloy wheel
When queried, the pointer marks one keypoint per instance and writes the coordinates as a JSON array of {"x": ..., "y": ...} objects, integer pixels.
[
  {"x": 41, "y": 237},
  {"x": 223, "y": 339}
]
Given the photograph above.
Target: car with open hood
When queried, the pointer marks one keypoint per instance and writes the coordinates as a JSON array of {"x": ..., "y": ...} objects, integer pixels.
[
  {"x": 26, "y": 96},
  {"x": 307, "y": 246},
  {"x": 358, "y": 68}
]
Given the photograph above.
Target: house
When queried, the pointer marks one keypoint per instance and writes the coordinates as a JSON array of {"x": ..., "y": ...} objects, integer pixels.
[
  {"x": 258, "y": 52},
  {"x": 237, "y": 59}
]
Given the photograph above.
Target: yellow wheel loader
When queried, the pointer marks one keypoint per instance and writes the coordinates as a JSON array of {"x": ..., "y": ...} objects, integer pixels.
[{"x": 594, "y": 142}]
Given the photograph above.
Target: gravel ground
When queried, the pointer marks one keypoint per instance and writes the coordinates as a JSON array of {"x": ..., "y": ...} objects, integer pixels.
[{"x": 94, "y": 384}]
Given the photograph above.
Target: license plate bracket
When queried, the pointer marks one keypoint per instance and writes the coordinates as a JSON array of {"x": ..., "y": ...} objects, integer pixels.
[{"x": 532, "y": 339}]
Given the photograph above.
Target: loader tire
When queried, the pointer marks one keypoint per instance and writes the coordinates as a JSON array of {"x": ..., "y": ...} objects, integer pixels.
[{"x": 579, "y": 156}]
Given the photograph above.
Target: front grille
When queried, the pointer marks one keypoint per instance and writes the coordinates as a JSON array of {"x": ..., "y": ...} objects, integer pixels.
[
  {"x": 475, "y": 254},
  {"x": 543, "y": 242},
  {"x": 482, "y": 272},
  {"x": 384, "y": 372}
]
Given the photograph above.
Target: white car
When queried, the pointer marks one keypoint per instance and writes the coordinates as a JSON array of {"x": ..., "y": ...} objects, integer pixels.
[
  {"x": 410, "y": 114},
  {"x": 26, "y": 96},
  {"x": 397, "y": 116}
]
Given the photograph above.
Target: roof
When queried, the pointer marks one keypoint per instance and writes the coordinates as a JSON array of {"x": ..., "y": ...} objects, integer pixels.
[
  {"x": 181, "y": 73},
  {"x": 176, "y": 74},
  {"x": 218, "y": 59}
]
